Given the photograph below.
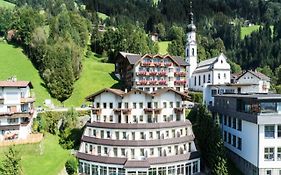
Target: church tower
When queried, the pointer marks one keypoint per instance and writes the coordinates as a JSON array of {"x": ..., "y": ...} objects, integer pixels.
[{"x": 191, "y": 47}]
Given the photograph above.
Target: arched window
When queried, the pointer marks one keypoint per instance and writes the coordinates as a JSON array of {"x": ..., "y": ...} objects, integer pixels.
[
  {"x": 195, "y": 81},
  {"x": 193, "y": 51}
]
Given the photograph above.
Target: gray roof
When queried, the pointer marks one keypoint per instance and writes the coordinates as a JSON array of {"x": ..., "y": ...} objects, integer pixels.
[
  {"x": 265, "y": 96},
  {"x": 180, "y": 60},
  {"x": 259, "y": 75},
  {"x": 207, "y": 62}
]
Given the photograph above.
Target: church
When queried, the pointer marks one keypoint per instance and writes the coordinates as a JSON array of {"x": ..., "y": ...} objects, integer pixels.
[{"x": 213, "y": 71}]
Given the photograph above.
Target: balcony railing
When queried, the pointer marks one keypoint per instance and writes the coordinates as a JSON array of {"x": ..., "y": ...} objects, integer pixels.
[
  {"x": 180, "y": 82},
  {"x": 117, "y": 110},
  {"x": 27, "y": 100},
  {"x": 126, "y": 111},
  {"x": 148, "y": 110},
  {"x": 168, "y": 64},
  {"x": 96, "y": 111},
  {"x": 142, "y": 73},
  {"x": 153, "y": 82},
  {"x": 178, "y": 110},
  {"x": 162, "y": 73},
  {"x": 152, "y": 73},
  {"x": 162, "y": 82},
  {"x": 147, "y": 64}
]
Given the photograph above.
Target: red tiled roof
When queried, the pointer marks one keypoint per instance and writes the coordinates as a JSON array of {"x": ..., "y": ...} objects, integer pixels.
[{"x": 15, "y": 84}]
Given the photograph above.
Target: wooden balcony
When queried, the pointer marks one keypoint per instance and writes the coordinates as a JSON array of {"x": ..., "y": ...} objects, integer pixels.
[
  {"x": 96, "y": 111},
  {"x": 117, "y": 110},
  {"x": 157, "y": 110},
  {"x": 27, "y": 100},
  {"x": 180, "y": 82},
  {"x": 179, "y": 74},
  {"x": 148, "y": 110},
  {"x": 126, "y": 111},
  {"x": 178, "y": 110}
]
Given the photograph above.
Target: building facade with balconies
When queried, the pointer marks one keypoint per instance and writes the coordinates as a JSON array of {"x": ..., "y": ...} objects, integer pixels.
[
  {"x": 138, "y": 133},
  {"x": 151, "y": 72},
  {"x": 251, "y": 129},
  {"x": 16, "y": 109}
]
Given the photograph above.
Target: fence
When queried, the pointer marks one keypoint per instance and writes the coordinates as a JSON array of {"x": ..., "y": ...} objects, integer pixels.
[{"x": 32, "y": 138}]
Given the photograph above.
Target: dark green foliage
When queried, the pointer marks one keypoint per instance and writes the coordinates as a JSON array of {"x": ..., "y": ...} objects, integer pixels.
[
  {"x": 71, "y": 166},
  {"x": 10, "y": 164},
  {"x": 208, "y": 137},
  {"x": 278, "y": 89},
  {"x": 235, "y": 68},
  {"x": 196, "y": 97}
]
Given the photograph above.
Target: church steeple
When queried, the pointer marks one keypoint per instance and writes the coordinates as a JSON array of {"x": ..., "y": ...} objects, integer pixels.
[{"x": 191, "y": 45}]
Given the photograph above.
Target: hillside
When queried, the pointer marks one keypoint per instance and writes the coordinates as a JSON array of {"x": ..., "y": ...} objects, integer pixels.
[
  {"x": 95, "y": 75},
  {"x": 14, "y": 62},
  {"x": 163, "y": 47},
  {"x": 6, "y": 4}
]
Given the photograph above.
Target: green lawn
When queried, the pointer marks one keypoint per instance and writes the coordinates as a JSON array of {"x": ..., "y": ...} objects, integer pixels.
[
  {"x": 14, "y": 62},
  {"x": 163, "y": 47},
  {"x": 102, "y": 16},
  {"x": 248, "y": 30},
  {"x": 95, "y": 76},
  {"x": 48, "y": 162},
  {"x": 5, "y": 4}
]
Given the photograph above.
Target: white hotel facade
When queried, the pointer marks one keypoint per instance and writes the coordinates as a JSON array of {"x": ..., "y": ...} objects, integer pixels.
[{"x": 138, "y": 133}]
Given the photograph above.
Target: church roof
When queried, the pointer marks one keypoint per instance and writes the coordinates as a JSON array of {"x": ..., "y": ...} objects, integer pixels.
[{"x": 207, "y": 65}]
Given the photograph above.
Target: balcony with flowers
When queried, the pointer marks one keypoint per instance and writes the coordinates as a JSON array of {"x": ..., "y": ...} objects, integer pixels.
[
  {"x": 162, "y": 73},
  {"x": 142, "y": 82},
  {"x": 168, "y": 64},
  {"x": 179, "y": 74},
  {"x": 162, "y": 82},
  {"x": 158, "y": 64},
  {"x": 152, "y": 73},
  {"x": 147, "y": 64},
  {"x": 142, "y": 73},
  {"x": 180, "y": 82},
  {"x": 153, "y": 82}
]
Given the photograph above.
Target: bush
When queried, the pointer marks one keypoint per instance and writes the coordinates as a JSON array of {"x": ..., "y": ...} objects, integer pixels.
[
  {"x": 71, "y": 166},
  {"x": 278, "y": 89}
]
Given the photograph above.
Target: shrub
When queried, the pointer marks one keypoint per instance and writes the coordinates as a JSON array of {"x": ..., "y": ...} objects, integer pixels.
[
  {"x": 71, "y": 166},
  {"x": 278, "y": 89},
  {"x": 196, "y": 97}
]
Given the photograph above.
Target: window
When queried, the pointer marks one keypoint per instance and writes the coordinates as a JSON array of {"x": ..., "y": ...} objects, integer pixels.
[
  {"x": 104, "y": 105},
  {"x": 119, "y": 105},
  {"x": 150, "y": 135},
  {"x": 171, "y": 170},
  {"x": 135, "y": 119},
  {"x": 123, "y": 152},
  {"x": 104, "y": 118},
  {"x": 219, "y": 76},
  {"x": 94, "y": 133},
  {"x": 193, "y": 51},
  {"x": 124, "y": 135},
  {"x": 126, "y": 105},
  {"x": 239, "y": 143},
  {"x": 158, "y": 135},
  {"x": 151, "y": 151},
  {"x": 195, "y": 167},
  {"x": 110, "y": 105},
  {"x": 141, "y": 152},
  {"x": 111, "y": 118},
  {"x": 99, "y": 150},
  {"x": 155, "y": 105},
  {"x": 167, "y": 134},
  {"x": 239, "y": 125},
  {"x": 141, "y": 118},
  {"x": 279, "y": 131},
  {"x": 178, "y": 104},
  {"x": 269, "y": 131},
  {"x": 134, "y": 105},
  {"x": 142, "y": 135},
  {"x": 225, "y": 136},
  {"x": 133, "y": 136},
  {"x": 224, "y": 75},
  {"x": 164, "y": 104},
  {"x": 195, "y": 80},
  {"x": 204, "y": 79},
  {"x": 234, "y": 123},
  {"x": 268, "y": 172},
  {"x": 102, "y": 134},
  {"x": 199, "y": 81},
  {"x": 279, "y": 153},
  {"x": 105, "y": 150},
  {"x": 108, "y": 134},
  {"x": 229, "y": 121},
  {"x": 171, "y": 104},
  {"x": 229, "y": 138},
  {"x": 269, "y": 154},
  {"x": 209, "y": 78},
  {"x": 115, "y": 152},
  {"x": 234, "y": 141},
  {"x": 141, "y": 105},
  {"x": 133, "y": 153},
  {"x": 117, "y": 135},
  {"x": 98, "y": 104}
]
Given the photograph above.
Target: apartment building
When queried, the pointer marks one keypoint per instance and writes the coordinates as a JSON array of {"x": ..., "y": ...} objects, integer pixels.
[
  {"x": 138, "y": 133},
  {"x": 16, "y": 109},
  {"x": 251, "y": 129}
]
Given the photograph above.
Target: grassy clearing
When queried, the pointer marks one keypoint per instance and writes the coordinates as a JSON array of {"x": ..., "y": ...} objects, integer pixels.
[
  {"x": 14, "y": 62},
  {"x": 50, "y": 162},
  {"x": 102, "y": 16},
  {"x": 95, "y": 76},
  {"x": 5, "y": 4},
  {"x": 245, "y": 31},
  {"x": 248, "y": 30},
  {"x": 163, "y": 47}
]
